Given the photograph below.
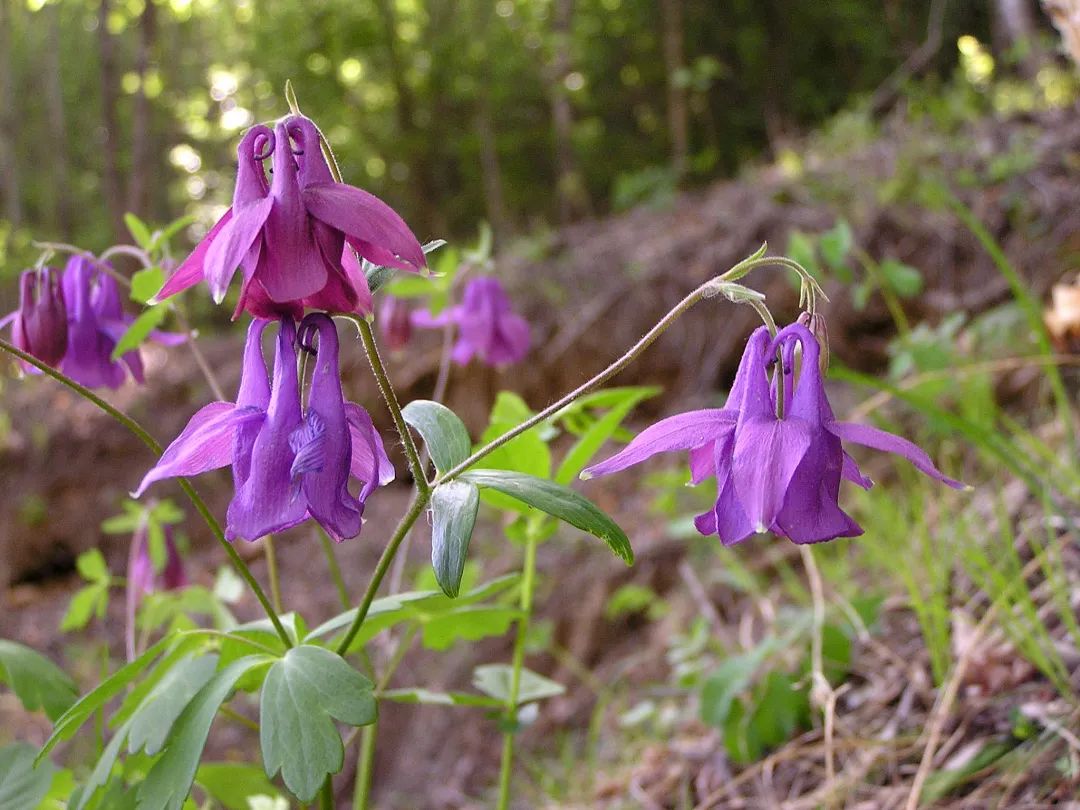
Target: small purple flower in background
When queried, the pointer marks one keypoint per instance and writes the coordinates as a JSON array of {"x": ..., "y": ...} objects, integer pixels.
[
  {"x": 294, "y": 236},
  {"x": 488, "y": 327},
  {"x": 39, "y": 326},
  {"x": 779, "y": 474},
  {"x": 287, "y": 465},
  {"x": 143, "y": 580},
  {"x": 395, "y": 322},
  {"x": 96, "y": 322}
]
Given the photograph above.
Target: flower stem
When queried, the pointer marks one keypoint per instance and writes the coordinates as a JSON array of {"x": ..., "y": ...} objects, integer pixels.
[
  {"x": 326, "y": 795},
  {"x": 335, "y": 568},
  {"x": 419, "y": 501},
  {"x": 528, "y": 578},
  {"x": 706, "y": 290},
  {"x": 196, "y": 500},
  {"x": 388, "y": 395},
  {"x": 272, "y": 572},
  {"x": 366, "y": 763}
]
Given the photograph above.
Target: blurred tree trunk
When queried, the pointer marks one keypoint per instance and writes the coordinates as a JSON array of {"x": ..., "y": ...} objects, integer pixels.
[
  {"x": 413, "y": 138},
  {"x": 1016, "y": 29},
  {"x": 491, "y": 176},
  {"x": 9, "y": 126},
  {"x": 110, "y": 146},
  {"x": 142, "y": 159},
  {"x": 573, "y": 196},
  {"x": 58, "y": 146},
  {"x": 674, "y": 64}
]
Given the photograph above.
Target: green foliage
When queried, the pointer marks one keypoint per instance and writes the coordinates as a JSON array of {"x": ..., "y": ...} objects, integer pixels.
[
  {"x": 37, "y": 682},
  {"x": 453, "y": 513},
  {"x": 495, "y": 680},
  {"x": 233, "y": 784},
  {"x": 93, "y": 599},
  {"x": 22, "y": 784},
  {"x": 444, "y": 434},
  {"x": 557, "y": 501},
  {"x": 303, "y": 694}
]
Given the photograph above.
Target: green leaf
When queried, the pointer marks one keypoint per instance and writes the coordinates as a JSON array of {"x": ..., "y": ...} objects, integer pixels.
[
  {"x": 598, "y": 433},
  {"x": 303, "y": 694},
  {"x": 233, "y": 783},
  {"x": 941, "y": 783},
  {"x": 174, "y": 227},
  {"x": 836, "y": 244},
  {"x": 469, "y": 624},
  {"x": 496, "y": 679},
  {"x": 801, "y": 249},
  {"x": 527, "y": 453},
  {"x": 558, "y": 501},
  {"x": 91, "y": 566},
  {"x": 719, "y": 691},
  {"x": 444, "y": 435},
  {"x": 36, "y": 681},
  {"x": 429, "y": 698},
  {"x": 21, "y": 784},
  {"x": 139, "y": 231},
  {"x": 150, "y": 724},
  {"x": 453, "y": 514},
  {"x": 780, "y": 710},
  {"x": 89, "y": 703},
  {"x": 169, "y": 780},
  {"x": 415, "y": 606},
  {"x": 145, "y": 283},
  {"x": 88, "y": 601},
  {"x": 139, "y": 330},
  {"x": 378, "y": 276},
  {"x": 903, "y": 279}
]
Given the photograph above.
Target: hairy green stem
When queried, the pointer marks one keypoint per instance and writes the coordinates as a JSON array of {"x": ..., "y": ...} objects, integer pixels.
[
  {"x": 272, "y": 572},
  {"x": 335, "y": 568},
  {"x": 420, "y": 500},
  {"x": 528, "y": 578},
  {"x": 196, "y": 500},
  {"x": 708, "y": 289}
]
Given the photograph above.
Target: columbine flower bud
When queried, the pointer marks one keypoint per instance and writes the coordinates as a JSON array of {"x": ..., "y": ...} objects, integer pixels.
[
  {"x": 395, "y": 325},
  {"x": 40, "y": 324}
]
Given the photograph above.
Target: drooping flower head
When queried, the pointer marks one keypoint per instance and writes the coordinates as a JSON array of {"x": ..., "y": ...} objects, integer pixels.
[
  {"x": 295, "y": 236},
  {"x": 287, "y": 465},
  {"x": 39, "y": 326},
  {"x": 95, "y": 323},
  {"x": 395, "y": 322},
  {"x": 143, "y": 580},
  {"x": 488, "y": 327},
  {"x": 775, "y": 450}
]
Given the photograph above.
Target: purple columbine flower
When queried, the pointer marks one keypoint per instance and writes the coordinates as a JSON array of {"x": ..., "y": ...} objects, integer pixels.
[
  {"x": 39, "y": 326},
  {"x": 287, "y": 465},
  {"x": 488, "y": 327},
  {"x": 775, "y": 473},
  {"x": 95, "y": 323},
  {"x": 143, "y": 580},
  {"x": 395, "y": 322},
  {"x": 294, "y": 236}
]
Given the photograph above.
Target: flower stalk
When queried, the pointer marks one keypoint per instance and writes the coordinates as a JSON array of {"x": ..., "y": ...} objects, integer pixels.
[{"x": 196, "y": 500}]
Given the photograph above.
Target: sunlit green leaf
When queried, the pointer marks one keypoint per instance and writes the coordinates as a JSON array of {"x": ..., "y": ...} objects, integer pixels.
[
  {"x": 557, "y": 501},
  {"x": 453, "y": 513},
  {"x": 303, "y": 694},
  {"x": 140, "y": 330},
  {"x": 496, "y": 680},
  {"x": 444, "y": 434}
]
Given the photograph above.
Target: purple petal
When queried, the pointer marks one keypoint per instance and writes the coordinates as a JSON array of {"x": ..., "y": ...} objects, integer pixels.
[
  {"x": 767, "y": 453},
  {"x": 701, "y": 464},
  {"x": 254, "y": 390},
  {"x": 190, "y": 271},
  {"x": 512, "y": 340},
  {"x": 463, "y": 352},
  {"x": 268, "y": 501},
  {"x": 682, "y": 432},
  {"x": 232, "y": 244},
  {"x": 423, "y": 318},
  {"x": 889, "y": 443},
  {"x": 851, "y": 472},
  {"x": 206, "y": 443},
  {"x": 308, "y": 442},
  {"x": 811, "y": 512},
  {"x": 369, "y": 460},
  {"x": 326, "y": 486},
  {"x": 291, "y": 266},
  {"x": 364, "y": 218}
]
